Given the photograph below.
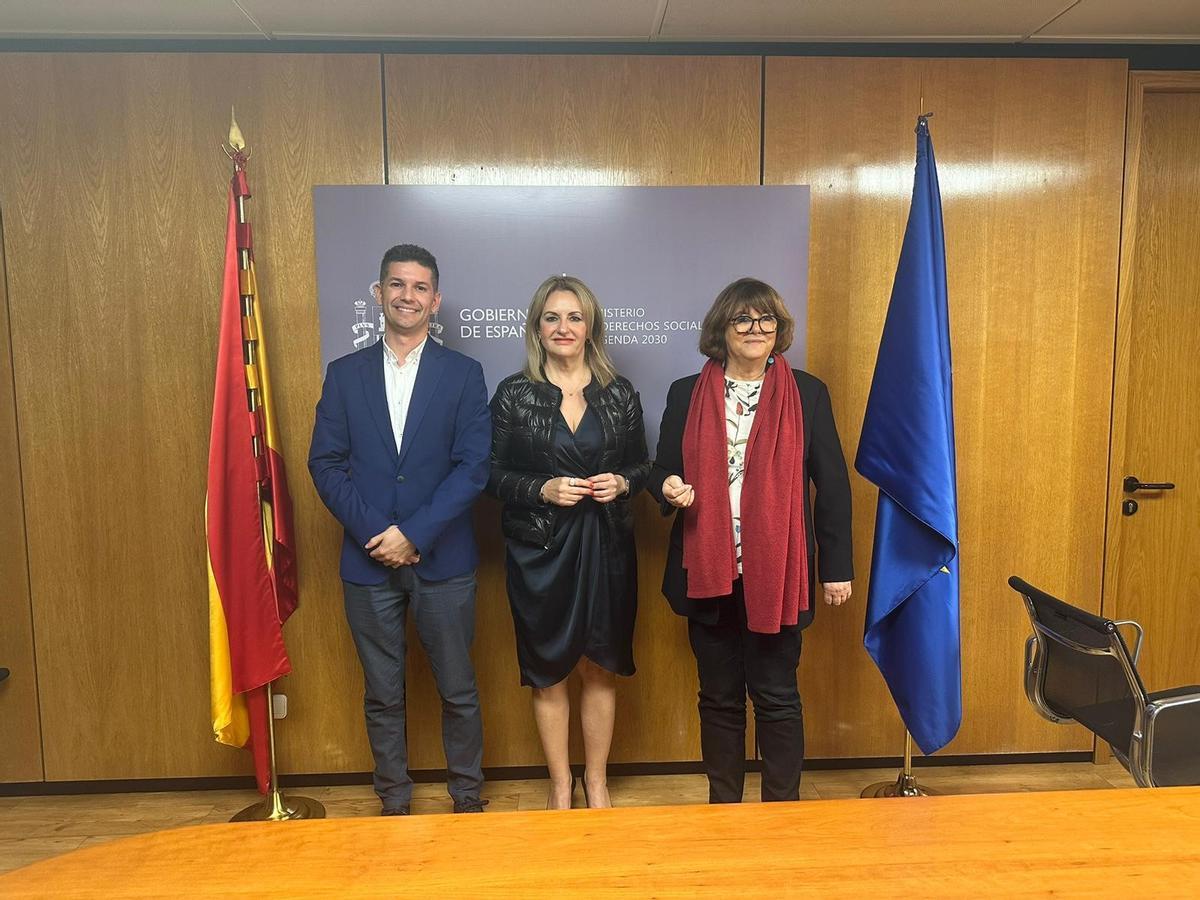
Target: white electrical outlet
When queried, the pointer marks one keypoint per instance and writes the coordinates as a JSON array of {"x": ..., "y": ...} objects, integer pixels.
[{"x": 279, "y": 706}]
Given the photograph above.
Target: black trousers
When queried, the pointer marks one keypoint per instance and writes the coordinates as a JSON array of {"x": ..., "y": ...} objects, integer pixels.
[{"x": 730, "y": 660}]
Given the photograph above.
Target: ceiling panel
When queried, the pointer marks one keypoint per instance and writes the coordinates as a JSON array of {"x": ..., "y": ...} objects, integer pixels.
[
  {"x": 1121, "y": 20},
  {"x": 627, "y": 20},
  {"x": 124, "y": 18},
  {"x": 488, "y": 19},
  {"x": 874, "y": 20}
]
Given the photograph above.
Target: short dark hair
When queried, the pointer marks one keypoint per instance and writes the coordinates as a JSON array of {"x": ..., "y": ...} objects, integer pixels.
[
  {"x": 409, "y": 253},
  {"x": 744, "y": 295}
]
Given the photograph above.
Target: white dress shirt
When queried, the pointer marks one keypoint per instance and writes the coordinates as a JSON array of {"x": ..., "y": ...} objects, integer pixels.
[{"x": 398, "y": 381}]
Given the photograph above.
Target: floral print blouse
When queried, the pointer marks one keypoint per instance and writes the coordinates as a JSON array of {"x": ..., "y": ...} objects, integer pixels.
[{"x": 741, "y": 401}]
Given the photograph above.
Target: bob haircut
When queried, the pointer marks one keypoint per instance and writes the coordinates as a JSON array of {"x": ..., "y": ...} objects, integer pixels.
[
  {"x": 594, "y": 354},
  {"x": 746, "y": 295}
]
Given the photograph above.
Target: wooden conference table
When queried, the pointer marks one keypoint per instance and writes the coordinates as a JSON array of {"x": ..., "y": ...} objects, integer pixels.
[{"x": 1114, "y": 843}]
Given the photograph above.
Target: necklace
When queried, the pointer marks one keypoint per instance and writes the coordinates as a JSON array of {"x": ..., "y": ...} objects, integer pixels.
[{"x": 571, "y": 392}]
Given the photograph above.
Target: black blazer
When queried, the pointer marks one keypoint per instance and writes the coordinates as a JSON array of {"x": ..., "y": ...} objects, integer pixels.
[
  {"x": 827, "y": 521},
  {"x": 524, "y": 416}
]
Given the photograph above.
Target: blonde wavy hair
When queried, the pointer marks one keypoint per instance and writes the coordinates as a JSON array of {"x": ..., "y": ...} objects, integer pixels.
[{"x": 594, "y": 354}]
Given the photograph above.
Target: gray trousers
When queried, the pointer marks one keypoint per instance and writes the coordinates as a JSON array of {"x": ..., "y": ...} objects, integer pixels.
[{"x": 444, "y": 615}]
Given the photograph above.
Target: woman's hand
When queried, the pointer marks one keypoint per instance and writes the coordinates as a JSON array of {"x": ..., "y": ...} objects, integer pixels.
[
  {"x": 565, "y": 491},
  {"x": 608, "y": 487},
  {"x": 677, "y": 493},
  {"x": 836, "y": 592}
]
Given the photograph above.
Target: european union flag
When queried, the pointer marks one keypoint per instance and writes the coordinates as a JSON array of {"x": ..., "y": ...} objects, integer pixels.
[{"x": 907, "y": 451}]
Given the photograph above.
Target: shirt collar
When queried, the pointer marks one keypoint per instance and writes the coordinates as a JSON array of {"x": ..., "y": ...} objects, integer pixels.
[{"x": 414, "y": 355}]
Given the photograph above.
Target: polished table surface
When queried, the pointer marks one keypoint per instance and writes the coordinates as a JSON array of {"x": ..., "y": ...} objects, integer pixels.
[{"x": 1074, "y": 843}]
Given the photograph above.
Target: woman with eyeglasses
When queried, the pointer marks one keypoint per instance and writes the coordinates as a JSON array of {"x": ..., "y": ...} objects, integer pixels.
[
  {"x": 568, "y": 454},
  {"x": 740, "y": 444}
]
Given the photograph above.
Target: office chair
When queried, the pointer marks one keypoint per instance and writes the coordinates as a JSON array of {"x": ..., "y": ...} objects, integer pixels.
[{"x": 1078, "y": 668}]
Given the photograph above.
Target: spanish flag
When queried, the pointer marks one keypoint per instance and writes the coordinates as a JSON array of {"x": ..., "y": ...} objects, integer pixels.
[{"x": 248, "y": 511}]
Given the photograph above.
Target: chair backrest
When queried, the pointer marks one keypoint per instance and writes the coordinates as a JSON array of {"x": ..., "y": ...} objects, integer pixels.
[{"x": 1087, "y": 673}]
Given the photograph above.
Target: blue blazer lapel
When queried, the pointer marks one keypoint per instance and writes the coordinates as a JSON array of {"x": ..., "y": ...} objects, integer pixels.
[
  {"x": 376, "y": 395},
  {"x": 429, "y": 373}
]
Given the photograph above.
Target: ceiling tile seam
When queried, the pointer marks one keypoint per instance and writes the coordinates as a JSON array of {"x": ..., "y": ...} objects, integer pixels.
[
  {"x": 1155, "y": 39},
  {"x": 690, "y": 38},
  {"x": 660, "y": 16},
  {"x": 70, "y": 35},
  {"x": 1054, "y": 18},
  {"x": 451, "y": 38},
  {"x": 245, "y": 12}
]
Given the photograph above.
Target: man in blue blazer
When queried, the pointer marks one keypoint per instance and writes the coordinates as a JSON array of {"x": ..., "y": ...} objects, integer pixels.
[{"x": 400, "y": 451}]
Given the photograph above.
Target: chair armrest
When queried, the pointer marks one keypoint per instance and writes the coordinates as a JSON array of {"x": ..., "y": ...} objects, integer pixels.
[
  {"x": 1137, "y": 646},
  {"x": 1172, "y": 736}
]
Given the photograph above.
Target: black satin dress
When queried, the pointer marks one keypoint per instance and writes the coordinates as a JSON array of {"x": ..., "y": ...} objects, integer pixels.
[{"x": 579, "y": 596}]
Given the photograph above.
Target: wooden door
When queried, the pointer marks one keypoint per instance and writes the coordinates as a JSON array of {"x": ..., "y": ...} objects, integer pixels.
[{"x": 1152, "y": 570}]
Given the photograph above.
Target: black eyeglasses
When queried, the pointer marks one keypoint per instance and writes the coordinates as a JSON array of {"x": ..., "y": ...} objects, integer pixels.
[{"x": 745, "y": 324}]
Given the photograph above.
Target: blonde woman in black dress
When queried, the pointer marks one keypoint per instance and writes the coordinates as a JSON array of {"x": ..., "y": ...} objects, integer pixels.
[{"x": 568, "y": 453}]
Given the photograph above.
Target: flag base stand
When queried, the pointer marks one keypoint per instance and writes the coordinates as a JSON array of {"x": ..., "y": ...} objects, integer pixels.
[
  {"x": 905, "y": 785},
  {"x": 275, "y": 807}
]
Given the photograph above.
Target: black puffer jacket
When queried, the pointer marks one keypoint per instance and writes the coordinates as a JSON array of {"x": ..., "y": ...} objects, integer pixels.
[{"x": 524, "y": 416}]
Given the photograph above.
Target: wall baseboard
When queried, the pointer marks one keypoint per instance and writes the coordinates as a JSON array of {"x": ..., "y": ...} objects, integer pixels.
[{"x": 505, "y": 773}]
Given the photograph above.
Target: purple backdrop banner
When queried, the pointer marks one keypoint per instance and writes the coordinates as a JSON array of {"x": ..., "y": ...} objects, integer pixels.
[{"x": 655, "y": 257}]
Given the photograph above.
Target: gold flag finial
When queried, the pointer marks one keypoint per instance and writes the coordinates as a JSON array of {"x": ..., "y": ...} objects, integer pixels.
[{"x": 236, "y": 141}]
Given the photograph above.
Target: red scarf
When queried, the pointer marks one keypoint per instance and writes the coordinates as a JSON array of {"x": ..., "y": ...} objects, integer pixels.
[{"x": 774, "y": 544}]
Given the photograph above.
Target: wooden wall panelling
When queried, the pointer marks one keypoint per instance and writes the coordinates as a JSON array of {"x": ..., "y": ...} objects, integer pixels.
[
  {"x": 20, "y": 727},
  {"x": 571, "y": 120},
  {"x": 1029, "y": 155},
  {"x": 112, "y": 190},
  {"x": 114, "y": 197}
]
